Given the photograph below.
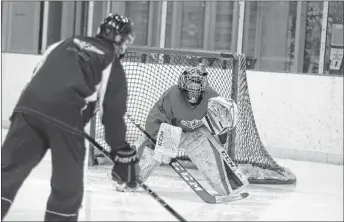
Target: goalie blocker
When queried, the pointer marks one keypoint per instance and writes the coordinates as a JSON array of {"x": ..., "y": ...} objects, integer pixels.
[{"x": 167, "y": 143}]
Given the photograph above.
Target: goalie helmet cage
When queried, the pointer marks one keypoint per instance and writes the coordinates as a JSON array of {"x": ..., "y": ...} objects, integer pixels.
[{"x": 151, "y": 71}]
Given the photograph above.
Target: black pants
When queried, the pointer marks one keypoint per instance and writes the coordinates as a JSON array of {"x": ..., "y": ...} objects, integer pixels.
[{"x": 25, "y": 145}]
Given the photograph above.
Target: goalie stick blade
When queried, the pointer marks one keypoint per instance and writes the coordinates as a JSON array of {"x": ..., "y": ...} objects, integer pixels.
[
  {"x": 231, "y": 198},
  {"x": 199, "y": 190}
]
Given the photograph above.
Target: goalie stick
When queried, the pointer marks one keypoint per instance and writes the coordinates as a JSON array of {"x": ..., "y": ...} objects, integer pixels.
[
  {"x": 144, "y": 186},
  {"x": 231, "y": 164},
  {"x": 190, "y": 180}
]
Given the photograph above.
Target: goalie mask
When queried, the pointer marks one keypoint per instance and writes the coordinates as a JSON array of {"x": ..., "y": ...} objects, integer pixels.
[
  {"x": 119, "y": 30},
  {"x": 193, "y": 81},
  {"x": 222, "y": 115}
]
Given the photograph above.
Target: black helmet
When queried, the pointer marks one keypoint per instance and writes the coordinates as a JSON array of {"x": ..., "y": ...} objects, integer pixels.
[{"x": 117, "y": 28}]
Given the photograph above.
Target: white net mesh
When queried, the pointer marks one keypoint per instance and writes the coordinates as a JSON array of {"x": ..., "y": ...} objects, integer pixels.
[{"x": 151, "y": 72}]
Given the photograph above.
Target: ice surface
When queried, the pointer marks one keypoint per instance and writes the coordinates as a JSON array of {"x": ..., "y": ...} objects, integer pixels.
[{"x": 318, "y": 195}]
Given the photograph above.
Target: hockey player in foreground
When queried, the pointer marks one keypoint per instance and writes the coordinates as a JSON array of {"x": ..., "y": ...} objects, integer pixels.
[
  {"x": 54, "y": 108},
  {"x": 190, "y": 115}
]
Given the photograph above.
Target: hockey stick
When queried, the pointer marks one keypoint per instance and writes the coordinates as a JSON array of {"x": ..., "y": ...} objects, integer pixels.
[
  {"x": 190, "y": 180},
  {"x": 231, "y": 164},
  {"x": 144, "y": 186}
]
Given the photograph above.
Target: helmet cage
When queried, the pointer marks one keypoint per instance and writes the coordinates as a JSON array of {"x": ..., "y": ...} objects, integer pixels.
[{"x": 193, "y": 81}]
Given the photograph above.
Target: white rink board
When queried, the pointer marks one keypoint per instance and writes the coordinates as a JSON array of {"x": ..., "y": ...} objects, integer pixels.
[{"x": 317, "y": 196}]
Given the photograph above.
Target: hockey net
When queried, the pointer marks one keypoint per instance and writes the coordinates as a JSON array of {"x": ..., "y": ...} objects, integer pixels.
[{"x": 151, "y": 71}]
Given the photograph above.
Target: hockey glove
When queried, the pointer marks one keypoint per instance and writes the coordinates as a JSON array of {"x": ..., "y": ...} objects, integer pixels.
[{"x": 123, "y": 171}]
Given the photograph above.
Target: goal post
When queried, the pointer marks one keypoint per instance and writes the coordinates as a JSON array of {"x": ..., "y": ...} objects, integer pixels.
[{"x": 151, "y": 71}]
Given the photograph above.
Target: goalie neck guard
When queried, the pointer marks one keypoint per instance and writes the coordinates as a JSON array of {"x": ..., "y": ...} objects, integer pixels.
[{"x": 193, "y": 81}]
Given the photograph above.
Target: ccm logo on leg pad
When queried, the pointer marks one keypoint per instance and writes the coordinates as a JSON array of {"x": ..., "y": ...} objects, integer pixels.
[{"x": 161, "y": 137}]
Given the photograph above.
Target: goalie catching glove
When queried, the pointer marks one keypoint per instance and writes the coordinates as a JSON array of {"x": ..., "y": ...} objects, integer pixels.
[
  {"x": 222, "y": 115},
  {"x": 124, "y": 169}
]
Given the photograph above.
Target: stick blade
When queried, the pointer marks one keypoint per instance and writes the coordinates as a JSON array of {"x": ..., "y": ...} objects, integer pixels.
[{"x": 231, "y": 198}]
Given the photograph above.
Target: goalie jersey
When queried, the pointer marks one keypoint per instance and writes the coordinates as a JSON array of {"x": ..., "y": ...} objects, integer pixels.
[{"x": 173, "y": 108}]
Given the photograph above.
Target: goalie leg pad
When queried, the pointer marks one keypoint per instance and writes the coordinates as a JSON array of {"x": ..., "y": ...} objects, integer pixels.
[
  {"x": 147, "y": 164},
  {"x": 208, "y": 162},
  {"x": 234, "y": 176},
  {"x": 201, "y": 148}
]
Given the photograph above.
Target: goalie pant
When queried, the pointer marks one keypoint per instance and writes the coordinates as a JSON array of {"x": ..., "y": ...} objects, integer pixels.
[{"x": 200, "y": 146}]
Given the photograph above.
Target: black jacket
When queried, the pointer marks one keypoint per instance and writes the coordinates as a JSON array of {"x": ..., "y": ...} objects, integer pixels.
[{"x": 71, "y": 78}]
